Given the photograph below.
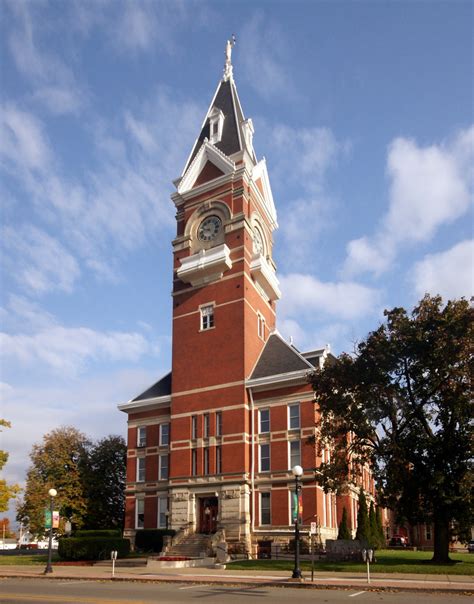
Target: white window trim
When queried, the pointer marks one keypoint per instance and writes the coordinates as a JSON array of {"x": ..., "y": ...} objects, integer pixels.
[
  {"x": 218, "y": 423},
  {"x": 206, "y": 425},
  {"x": 194, "y": 427},
  {"x": 160, "y": 466},
  {"x": 299, "y": 415},
  {"x": 137, "y": 499},
  {"x": 160, "y": 499},
  {"x": 137, "y": 477},
  {"x": 260, "y": 421},
  {"x": 261, "y": 323},
  {"x": 219, "y": 458},
  {"x": 202, "y": 307},
  {"x": 139, "y": 430},
  {"x": 216, "y": 117},
  {"x": 161, "y": 436},
  {"x": 290, "y": 464},
  {"x": 260, "y": 508},
  {"x": 260, "y": 457}
]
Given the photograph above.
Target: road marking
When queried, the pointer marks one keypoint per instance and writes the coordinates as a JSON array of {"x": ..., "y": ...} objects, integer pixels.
[
  {"x": 190, "y": 586},
  {"x": 70, "y": 599},
  {"x": 359, "y": 593}
]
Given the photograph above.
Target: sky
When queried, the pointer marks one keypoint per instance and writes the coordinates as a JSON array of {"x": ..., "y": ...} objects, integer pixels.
[{"x": 363, "y": 110}]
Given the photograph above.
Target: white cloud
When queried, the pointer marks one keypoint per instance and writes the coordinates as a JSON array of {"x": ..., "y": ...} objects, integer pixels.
[
  {"x": 38, "y": 262},
  {"x": 429, "y": 187},
  {"x": 54, "y": 82},
  {"x": 141, "y": 132},
  {"x": 23, "y": 143},
  {"x": 449, "y": 273},
  {"x": 305, "y": 295},
  {"x": 263, "y": 52}
]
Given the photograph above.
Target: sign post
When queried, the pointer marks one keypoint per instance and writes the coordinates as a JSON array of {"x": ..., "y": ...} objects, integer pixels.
[
  {"x": 367, "y": 555},
  {"x": 312, "y": 532}
]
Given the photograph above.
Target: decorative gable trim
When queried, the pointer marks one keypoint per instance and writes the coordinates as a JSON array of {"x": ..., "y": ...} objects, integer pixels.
[
  {"x": 260, "y": 172},
  {"x": 207, "y": 152}
]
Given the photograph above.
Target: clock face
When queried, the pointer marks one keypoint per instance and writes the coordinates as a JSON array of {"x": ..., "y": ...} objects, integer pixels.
[
  {"x": 258, "y": 242},
  {"x": 209, "y": 228}
]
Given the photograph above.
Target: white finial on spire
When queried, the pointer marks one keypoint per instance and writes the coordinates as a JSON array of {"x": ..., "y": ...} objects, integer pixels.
[{"x": 228, "y": 69}]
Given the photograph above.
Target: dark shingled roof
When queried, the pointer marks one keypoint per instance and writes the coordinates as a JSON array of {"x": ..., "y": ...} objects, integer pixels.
[
  {"x": 161, "y": 388},
  {"x": 229, "y": 142},
  {"x": 278, "y": 357}
]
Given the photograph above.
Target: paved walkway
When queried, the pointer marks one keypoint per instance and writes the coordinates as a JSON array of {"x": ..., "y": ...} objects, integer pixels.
[{"x": 340, "y": 580}]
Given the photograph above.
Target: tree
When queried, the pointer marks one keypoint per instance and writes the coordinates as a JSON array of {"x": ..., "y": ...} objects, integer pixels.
[
  {"x": 404, "y": 399},
  {"x": 377, "y": 538},
  {"x": 380, "y": 531},
  {"x": 7, "y": 491},
  {"x": 58, "y": 462},
  {"x": 363, "y": 526},
  {"x": 105, "y": 483},
  {"x": 5, "y": 528},
  {"x": 344, "y": 532}
]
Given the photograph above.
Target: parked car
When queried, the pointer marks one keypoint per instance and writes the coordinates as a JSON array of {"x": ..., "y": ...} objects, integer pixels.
[
  {"x": 470, "y": 546},
  {"x": 398, "y": 541}
]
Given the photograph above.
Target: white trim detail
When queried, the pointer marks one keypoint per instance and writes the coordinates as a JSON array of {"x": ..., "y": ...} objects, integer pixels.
[
  {"x": 265, "y": 276},
  {"x": 206, "y": 153},
  {"x": 260, "y": 172},
  {"x": 205, "y": 266}
]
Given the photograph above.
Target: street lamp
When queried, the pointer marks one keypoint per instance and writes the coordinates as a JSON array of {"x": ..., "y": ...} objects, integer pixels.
[
  {"x": 297, "y": 473},
  {"x": 52, "y": 494}
]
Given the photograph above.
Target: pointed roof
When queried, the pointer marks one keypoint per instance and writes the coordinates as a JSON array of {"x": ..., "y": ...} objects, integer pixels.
[
  {"x": 232, "y": 140},
  {"x": 279, "y": 357},
  {"x": 160, "y": 388}
]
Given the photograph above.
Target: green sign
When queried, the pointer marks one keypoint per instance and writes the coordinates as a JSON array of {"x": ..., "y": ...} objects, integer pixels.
[{"x": 47, "y": 519}]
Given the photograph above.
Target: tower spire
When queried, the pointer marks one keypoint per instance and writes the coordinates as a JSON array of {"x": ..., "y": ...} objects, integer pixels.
[{"x": 228, "y": 69}]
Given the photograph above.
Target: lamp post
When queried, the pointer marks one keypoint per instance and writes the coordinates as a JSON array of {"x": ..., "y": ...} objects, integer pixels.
[
  {"x": 52, "y": 494},
  {"x": 297, "y": 473}
]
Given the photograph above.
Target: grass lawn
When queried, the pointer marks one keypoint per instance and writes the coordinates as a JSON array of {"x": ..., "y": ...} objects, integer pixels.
[
  {"x": 26, "y": 559},
  {"x": 388, "y": 561}
]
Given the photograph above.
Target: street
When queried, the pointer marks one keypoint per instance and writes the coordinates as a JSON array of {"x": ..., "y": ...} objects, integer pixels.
[{"x": 54, "y": 591}]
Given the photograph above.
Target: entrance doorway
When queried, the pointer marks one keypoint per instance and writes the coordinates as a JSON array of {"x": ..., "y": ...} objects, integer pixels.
[{"x": 208, "y": 509}]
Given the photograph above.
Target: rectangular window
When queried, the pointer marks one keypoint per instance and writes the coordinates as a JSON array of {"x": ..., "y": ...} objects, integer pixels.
[
  {"x": 206, "y": 461},
  {"x": 164, "y": 435},
  {"x": 264, "y": 424},
  {"x": 207, "y": 423},
  {"x": 428, "y": 532},
  {"x": 141, "y": 436},
  {"x": 219, "y": 423},
  {"x": 163, "y": 471},
  {"x": 139, "y": 513},
  {"x": 261, "y": 326},
  {"x": 265, "y": 515},
  {"x": 207, "y": 317},
  {"x": 162, "y": 512},
  {"x": 264, "y": 458},
  {"x": 295, "y": 453},
  {"x": 218, "y": 460},
  {"x": 194, "y": 426},
  {"x": 293, "y": 416},
  {"x": 194, "y": 462},
  {"x": 140, "y": 469}
]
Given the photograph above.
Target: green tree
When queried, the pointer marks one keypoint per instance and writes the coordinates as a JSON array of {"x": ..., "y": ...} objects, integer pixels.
[
  {"x": 380, "y": 531},
  {"x": 376, "y": 538},
  {"x": 7, "y": 491},
  {"x": 58, "y": 462},
  {"x": 343, "y": 532},
  {"x": 105, "y": 483},
  {"x": 404, "y": 397},
  {"x": 363, "y": 526}
]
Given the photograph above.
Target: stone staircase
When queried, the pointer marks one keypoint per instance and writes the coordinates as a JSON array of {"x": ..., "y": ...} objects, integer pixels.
[{"x": 193, "y": 545}]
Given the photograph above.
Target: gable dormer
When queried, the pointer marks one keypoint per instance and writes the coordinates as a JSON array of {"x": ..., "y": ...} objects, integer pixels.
[{"x": 216, "y": 125}]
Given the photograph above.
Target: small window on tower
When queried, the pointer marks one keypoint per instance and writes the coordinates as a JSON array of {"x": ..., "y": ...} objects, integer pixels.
[
  {"x": 261, "y": 327},
  {"x": 207, "y": 317}
]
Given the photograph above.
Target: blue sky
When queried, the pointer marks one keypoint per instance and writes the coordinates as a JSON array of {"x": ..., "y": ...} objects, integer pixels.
[{"x": 364, "y": 111}]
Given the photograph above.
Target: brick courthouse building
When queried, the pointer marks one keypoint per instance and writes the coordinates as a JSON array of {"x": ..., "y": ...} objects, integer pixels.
[{"x": 212, "y": 443}]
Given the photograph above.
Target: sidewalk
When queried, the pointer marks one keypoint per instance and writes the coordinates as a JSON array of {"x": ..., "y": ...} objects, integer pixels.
[{"x": 379, "y": 581}]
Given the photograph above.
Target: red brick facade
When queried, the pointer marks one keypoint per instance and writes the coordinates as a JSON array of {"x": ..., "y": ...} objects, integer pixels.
[{"x": 237, "y": 418}]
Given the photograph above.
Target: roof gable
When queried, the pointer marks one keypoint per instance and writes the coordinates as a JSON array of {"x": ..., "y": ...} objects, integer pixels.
[
  {"x": 278, "y": 357},
  {"x": 160, "y": 388}
]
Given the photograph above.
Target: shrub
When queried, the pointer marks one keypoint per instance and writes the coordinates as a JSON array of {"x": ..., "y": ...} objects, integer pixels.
[
  {"x": 92, "y": 548},
  {"x": 98, "y": 533},
  {"x": 151, "y": 540}
]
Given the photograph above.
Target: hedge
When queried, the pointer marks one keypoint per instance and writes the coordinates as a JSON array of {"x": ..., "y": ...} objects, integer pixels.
[
  {"x": 151, "y": 540},
  {"x": 92, "y": 548},
  {"x": 98, "y": 533}
]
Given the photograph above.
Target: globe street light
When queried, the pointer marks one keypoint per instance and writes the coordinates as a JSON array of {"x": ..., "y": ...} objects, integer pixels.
[
  {"x": 297, "y": 473},
  {"x": 52, "y": 494}
]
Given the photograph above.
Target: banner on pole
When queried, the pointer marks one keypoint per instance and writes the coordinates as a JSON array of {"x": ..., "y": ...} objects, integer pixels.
[
  {"x": 56, "y": 519},
  {"x": 47, "y": 519}
]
